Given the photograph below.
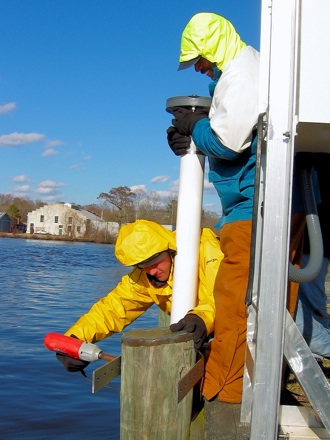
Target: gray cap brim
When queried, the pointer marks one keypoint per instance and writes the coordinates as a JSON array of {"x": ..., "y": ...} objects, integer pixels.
[
  {"x": 187, "y": 64},
  {"x": 152, "y": 260}
]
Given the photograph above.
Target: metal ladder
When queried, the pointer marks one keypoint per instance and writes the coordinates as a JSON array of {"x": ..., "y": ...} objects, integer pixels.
[{"x": 271, "y": 332}]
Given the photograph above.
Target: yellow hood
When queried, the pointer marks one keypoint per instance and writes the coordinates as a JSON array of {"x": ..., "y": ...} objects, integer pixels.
[
  {"x": 212, "y": 37},
  {"x": 141, "y": 240}
]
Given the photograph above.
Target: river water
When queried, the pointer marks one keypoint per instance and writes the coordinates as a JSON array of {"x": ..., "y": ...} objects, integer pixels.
[{"x": 45, "y": 286}]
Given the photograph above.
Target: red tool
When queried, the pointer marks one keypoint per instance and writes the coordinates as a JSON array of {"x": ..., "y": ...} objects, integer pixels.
[{"x": 75, "y": 348}]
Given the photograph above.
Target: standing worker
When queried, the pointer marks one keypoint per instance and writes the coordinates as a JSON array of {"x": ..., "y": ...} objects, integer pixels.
[
  {"x": 150, "y": 249},
  {"x": 227, "y": 136}
]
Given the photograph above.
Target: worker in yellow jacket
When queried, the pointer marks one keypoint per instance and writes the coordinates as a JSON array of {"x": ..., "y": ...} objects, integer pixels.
[{"x": 150, "y": 249}]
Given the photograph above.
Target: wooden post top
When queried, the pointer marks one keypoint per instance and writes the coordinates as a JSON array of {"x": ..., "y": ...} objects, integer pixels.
[{"x": 154, "y": 336}]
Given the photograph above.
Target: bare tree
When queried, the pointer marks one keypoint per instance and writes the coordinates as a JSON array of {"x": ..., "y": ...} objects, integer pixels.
[
  {"x": 122, "y": 198},
  {"x": 72, "y": 222},
  {"x": 171, "y": 211},
  {"x": 23, "y": 205},
  {"x": 209, "y": 220},
  {"x": 94, "y": 209},
  {"x": 139, "y": 201}
]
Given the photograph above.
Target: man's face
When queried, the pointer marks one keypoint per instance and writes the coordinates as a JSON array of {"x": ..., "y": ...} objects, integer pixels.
[
  {"x": 205, "y": 67},
  {"x": 162, "y": 269}
]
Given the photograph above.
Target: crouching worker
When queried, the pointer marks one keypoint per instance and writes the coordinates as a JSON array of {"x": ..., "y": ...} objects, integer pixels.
[{"x": 149, "y": 249}]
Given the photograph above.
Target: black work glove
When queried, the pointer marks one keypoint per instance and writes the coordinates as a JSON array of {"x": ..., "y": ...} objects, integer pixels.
[
  {"x": 178, "y": 143},
  {"x": 192, "y": 324},
  {"x": 185, "y": 119},
  {"x": 71, "y": 364}
]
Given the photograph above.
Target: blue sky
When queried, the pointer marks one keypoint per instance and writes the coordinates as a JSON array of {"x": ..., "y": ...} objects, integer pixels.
[{"x": 83, "y": 90}]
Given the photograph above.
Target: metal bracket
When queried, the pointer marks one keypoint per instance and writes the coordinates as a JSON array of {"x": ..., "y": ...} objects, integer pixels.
[
  {"x": 190, "y": 379},
  {"x": 103, "y": 375}
]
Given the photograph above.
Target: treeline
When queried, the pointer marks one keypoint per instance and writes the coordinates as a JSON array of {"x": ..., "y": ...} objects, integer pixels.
[
  {"x": 18, "y": 208},
  {"x": 120, "y": 205}
]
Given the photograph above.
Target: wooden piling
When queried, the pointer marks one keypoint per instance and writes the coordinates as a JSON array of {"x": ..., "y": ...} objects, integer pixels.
[
  {"x": 163, "y": 319},
  {"x": 153, "y": 362}
]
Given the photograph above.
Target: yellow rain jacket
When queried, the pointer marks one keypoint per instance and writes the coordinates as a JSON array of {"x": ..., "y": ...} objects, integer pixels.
[{"x": 135, "y": 294}]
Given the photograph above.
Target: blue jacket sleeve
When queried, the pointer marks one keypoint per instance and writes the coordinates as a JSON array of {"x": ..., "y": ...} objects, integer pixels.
[{"x": 209, "y": 143}]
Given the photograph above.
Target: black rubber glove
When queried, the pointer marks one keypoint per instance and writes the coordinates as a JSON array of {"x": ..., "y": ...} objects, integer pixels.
[
  {"x": 192, "y": 324},
  {"x": 178, "y": 143},
  {"x": 71, "y": 364},
  {"x": 185, "y": 119}
]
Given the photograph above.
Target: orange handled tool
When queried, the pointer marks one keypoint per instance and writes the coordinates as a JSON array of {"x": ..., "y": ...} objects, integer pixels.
[{"x": 75, "y": 348}]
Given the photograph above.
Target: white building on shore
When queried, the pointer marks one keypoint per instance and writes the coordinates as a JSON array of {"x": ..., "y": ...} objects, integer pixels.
[{"x": 69, "y": 220}]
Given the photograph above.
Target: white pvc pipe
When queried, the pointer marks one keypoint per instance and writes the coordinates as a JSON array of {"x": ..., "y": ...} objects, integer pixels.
[{"x": 188, "y": 231}]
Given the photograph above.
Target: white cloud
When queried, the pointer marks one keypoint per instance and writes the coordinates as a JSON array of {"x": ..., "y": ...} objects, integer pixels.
[
  {"x": 44, "y": 190},
  {"x": 54, "y": 143},
  {"x": 50, "y": 190},
  {"x": 49, "y": 152},
  {"x": 15, "y": 139},
  {"x": 53, "y": 198},
  {"x": 20, "y": 179},
  {"x": 22, "y": 188},
  {"x": 164, "y": 194},
  {"x": 51, "y": 184},
  {"x": 6, "y": 108},
  {"x": 160, "y": 179},
  {"x": 175, "y": 186},
  {"x": 138, "y": 188}
]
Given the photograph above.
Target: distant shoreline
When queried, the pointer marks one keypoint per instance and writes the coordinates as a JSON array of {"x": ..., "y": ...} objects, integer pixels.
[{"x": 51, "y": 238}]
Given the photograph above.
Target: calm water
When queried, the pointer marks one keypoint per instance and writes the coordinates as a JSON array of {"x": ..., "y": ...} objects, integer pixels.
[{"x": 45, "y": 286}]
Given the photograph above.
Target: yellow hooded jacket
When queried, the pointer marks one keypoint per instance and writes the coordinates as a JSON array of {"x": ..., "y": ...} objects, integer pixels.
[
  {"x": 134, "y": 294},
  {"x": 211, "y": 36},
  {"x": 234, "y": 108}
]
